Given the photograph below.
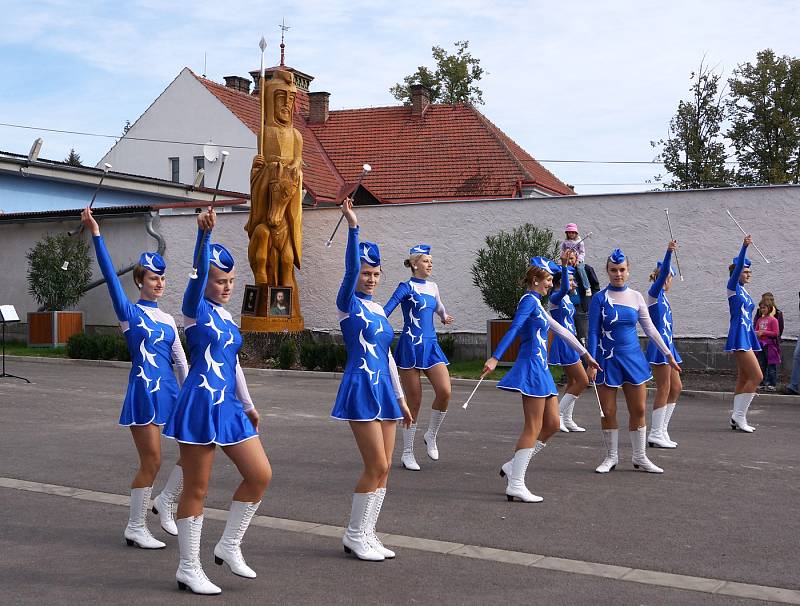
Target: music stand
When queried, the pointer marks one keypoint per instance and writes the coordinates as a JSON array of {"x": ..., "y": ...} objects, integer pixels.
[{"x": 8, "y": 314}]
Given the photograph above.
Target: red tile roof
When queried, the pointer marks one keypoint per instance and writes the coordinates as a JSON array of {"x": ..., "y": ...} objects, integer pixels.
[{"x": 450, "y": 152}]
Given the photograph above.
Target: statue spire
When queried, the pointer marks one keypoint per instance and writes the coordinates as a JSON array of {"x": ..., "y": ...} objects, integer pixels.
[{"x": 284, "y": 28}]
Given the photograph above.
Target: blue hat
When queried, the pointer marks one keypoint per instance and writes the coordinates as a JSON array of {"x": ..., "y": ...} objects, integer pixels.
[
  {"x": 570, "y": 270},
  {"x": 617, "y": 256},
  {"x": 221, "y": 258},
  {"x": 747, "y": 262},
  {"x": 542, "y": 263},
  {"x": 420, "y": 249},
  {"x": 671, "y": 269},
  {"x": 370, "y": 254},
  {"x": 554, "y": 267},
  {"x": 154, "y": 262}
]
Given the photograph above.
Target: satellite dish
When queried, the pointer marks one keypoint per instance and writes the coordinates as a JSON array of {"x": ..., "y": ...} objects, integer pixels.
[{"x": 210, "y": 152}]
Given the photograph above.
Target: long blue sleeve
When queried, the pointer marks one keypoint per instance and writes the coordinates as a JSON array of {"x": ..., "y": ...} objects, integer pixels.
[
  {"x": 737, "y": 270},
  {"x": 352, "y": 266},
  {"x": 595, "y": 323},
  {"x": 655, "y": 288},
  {"x": 555, "y": 298},
  {"x": 197, "y": 287},
  {"x": 400, "y": 293},
  {"x": 122, "y": 306},
  {"x": 527, "y": 304}
]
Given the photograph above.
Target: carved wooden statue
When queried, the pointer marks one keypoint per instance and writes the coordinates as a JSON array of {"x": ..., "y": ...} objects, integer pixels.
[{"x": 274, "y": 225}]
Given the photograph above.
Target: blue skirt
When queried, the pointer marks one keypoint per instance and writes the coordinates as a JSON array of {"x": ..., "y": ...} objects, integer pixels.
[
  {"x": 654, "y": 355},
  {"x": 625, "y": 366},
  {"x": 530, "y": 378},
  {"x": 422, "y": 356},
  {"x": 742, "y": 339},
  {"x": 197, "y": 420},
  {"x": 360, "y": 399},
  {"x": 145, "y": 404},
  {"x": 561, "y": 354}
]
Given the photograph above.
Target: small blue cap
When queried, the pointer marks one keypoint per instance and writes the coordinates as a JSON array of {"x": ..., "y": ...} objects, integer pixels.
[
  {"x": 554, "y": 267},
  {"x": 747, "y": 262},
  {"x": 221, "y": 258},
  {"x": 671, "y": 269},
  {"x": 154, "y": 262},
  {"x": 542, "y": 263},
  {"x": 420, "y": 249},
  {"x": 617, "y": 256},
  {"x": 370, "y": 254}
]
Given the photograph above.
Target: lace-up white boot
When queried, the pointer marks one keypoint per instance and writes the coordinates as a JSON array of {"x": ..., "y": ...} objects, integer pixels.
[
  {"x": 355, "y": 538},
  {"x": 229, "y": 548},
  {"x": 516, "y": 488},
  {"x": 136, "y": 532},
  {"x": 567, "y": 417},
  {"x": 611, "y": 440},
  {"x": 166, "y": 503},
  {"x": 664, "y": 429},
  {"x": 655, "y": 438},
  {"x": 434, "y": 423},
  {"x": 741, "y": 402},
  {"x": 190, "y": 572},
  {"x": 407, "y": 459},
  {"x": 505, "y": 468},
  {"x": 639, "y": 458},
  {"x": 375, "y": 511}
]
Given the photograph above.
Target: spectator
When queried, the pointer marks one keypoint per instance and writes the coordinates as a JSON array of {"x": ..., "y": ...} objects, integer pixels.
[
  {"x": 769, "y": 357},
  {"x": 768, "y": 297}
]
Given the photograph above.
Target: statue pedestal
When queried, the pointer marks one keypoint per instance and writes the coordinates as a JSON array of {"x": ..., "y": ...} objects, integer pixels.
[
  {"x": 272, "y": 324},
  {"x": 260, "y": 312}
]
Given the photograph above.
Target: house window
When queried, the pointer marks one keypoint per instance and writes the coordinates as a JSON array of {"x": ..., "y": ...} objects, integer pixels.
[
  {"x": 200, "y": 164},
  {"x": 175, "y": 169}
]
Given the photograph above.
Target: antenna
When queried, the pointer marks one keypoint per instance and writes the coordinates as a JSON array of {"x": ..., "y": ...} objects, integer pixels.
[
  {"x": 205, "y": 63},
  {"x": 284, "y": 28}
]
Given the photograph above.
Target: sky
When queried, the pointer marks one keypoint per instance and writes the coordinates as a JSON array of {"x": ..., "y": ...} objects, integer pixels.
[{"x": 572, "y": 80}]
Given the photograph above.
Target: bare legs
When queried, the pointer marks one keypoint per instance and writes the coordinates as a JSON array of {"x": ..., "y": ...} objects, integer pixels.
[
  {"x": 147, "y": 439},
  {"x": 635, "y": 398},
  {"x": 411, "y": 379},
  {"x": 748, "y": 377},
  {"x": 577, "y": 382},
  {"x": 375, "y": 441}
]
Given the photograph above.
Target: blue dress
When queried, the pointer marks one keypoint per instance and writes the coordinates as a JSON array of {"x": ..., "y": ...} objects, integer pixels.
[
  {"x": 152, "y": 341},
  {"x": 741, "y": 334},
  {"x": 530, "y": 374},
  {"x": 209, "y": 408},
  {"x": 370, "y": 386},
  {"x": 418, "y": 345},
  {"x": 563, "y": 311},
  {"x": 613, "y": 315},
  {"x": 661, "y": 315}
]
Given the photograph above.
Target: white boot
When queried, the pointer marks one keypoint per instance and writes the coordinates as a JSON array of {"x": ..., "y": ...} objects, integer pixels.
[
  {"x": 229, "y": 547},
  {"x": 505, "y": 468},
  {"x": 516, "y": 480},
  {"x": 741, "y": 402},
  {"x": 567, "y": 418},
  {"x": 136, "y": 532},
  {"x": 375, "y": 511},
  {"x": 563, "y": 406},
  {"x": 611, "y": 440},
  {"x": 655, "y": 438},
  {"x": 407, "y": 460},
  {"x": 166, "y": 503},
  {"x": 355, "y": 539},
  {"x": 639, "y": 458},
  {"x": 664, "y": 429},
  {"x": 434, "y": 423},
  {"x": 190, "y": 572}
]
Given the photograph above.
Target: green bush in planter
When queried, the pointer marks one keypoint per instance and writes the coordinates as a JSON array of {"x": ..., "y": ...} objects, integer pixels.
[{"x": 54, "y": 288}]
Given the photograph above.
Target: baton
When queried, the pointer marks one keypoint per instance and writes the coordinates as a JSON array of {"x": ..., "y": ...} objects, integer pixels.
[
  {"x": 745, "y": 233},
  {"x": 671, "y": 237}
]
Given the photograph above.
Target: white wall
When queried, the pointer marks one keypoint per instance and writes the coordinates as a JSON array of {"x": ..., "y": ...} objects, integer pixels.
[
  {"x": 186, "y": 111},
  {"x": 635, "y": 222}
]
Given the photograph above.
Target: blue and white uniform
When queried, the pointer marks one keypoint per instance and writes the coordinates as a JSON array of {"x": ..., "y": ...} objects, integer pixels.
[
  {"x": 741, "y": 334},
  {"x": 661, "y": 313},
  {"x": 212, "y": 403},
  {"x": 370, "y": 386},
  {"x": 418, "y": 345},
  {"x": 153, "y": 343},
  {"x": 563, "y": 311},
  {"x": 613, "y": 314}
]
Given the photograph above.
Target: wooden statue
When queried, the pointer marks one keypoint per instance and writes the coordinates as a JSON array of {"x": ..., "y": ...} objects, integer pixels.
[{"x": 274, "y": 225}]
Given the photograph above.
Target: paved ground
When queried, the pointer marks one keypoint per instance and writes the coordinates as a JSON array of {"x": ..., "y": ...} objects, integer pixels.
[{"x": 725, "y": 510}]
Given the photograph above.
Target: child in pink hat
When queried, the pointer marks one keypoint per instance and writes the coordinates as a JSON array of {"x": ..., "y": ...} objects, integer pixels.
[{"x": 573, "y": 242}]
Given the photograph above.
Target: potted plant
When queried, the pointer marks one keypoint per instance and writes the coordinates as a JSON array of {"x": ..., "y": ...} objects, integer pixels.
[
  {"x": 59, "y": 269},
  {"x": 498, "y": 272}
]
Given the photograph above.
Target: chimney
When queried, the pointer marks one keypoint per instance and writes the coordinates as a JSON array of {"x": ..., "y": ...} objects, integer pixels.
[
  {"x": 238, "y": 83},
  {"x": 420, "y": 99},
  {"x": 318, "y": 107}
]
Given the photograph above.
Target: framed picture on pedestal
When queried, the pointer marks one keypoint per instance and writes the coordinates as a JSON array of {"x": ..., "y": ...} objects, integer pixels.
[
  {"x": 280, "y": 301},
  {"x": 250, "y": 301}
]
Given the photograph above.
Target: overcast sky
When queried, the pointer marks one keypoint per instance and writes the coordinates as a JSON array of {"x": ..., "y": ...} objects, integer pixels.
[{"x": 567, "y": 80}]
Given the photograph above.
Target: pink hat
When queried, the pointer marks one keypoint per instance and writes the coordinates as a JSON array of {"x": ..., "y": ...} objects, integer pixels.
[{"x": 571, "y": 227}]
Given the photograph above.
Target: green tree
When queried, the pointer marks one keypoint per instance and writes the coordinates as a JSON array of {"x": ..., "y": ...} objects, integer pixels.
[
  {"x": 694, "y": 151},
  {"x": 74, "y": 158},
  {"x": 453, "y": 80},
  {"x": 54, "y": 287},
  {"x": 500, "y": 267},
  {"x": 764, "y": 110}
]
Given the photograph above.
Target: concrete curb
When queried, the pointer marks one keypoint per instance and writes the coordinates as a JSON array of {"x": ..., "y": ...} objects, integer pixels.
[{"x": 724, "y": 396}]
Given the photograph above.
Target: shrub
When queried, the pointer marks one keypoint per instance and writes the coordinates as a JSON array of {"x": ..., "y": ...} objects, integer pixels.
[
  {"x": 97, "y": 347},
  {"x": 287, "y": 353},
  {"x": 52, "y": 287},
  {"x": 448, "y": 344},
  {"x": 500, "y": 267},
  {"x": 341, "y": 356},
  {"x": 328, "y": 357},
  {"x": 309, "y": 355}
]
